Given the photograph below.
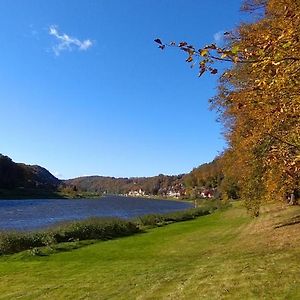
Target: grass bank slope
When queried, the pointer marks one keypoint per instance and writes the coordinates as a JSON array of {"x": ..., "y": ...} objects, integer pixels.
[{"x": 225, "y": 255}]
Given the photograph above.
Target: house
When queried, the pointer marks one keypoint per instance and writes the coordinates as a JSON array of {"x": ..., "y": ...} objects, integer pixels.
[
  {"x": 206, "y": 194},
  {"x": 173, "y": 193},
  {"x": 140, "y": 192}
]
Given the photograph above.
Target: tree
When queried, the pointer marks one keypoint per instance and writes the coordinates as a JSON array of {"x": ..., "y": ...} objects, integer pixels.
[{"x": 259, "y": 99}]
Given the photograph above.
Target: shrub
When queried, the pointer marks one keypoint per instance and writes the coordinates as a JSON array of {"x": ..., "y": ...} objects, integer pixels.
[
  {"x": 96, "y": 228},
  {"x": 12, "y": 242},
  {"x": 154, "y": 220}
]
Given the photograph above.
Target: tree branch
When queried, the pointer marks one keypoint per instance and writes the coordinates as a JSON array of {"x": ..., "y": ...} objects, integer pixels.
[{"x": 283, "y": 141}]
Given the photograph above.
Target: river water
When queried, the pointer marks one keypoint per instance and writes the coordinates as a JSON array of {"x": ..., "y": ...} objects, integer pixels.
[{"x": 39, "y": 213}]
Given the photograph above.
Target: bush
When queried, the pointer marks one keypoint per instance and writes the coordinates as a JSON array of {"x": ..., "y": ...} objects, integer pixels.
[
  {"x": 96, "y": 228},
  {"x": 12, "y": 242},
  {"x": 93, "y": 229},
  {"x": 163, "y": 219}
]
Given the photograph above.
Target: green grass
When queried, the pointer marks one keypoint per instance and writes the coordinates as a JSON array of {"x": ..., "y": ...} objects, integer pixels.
[
  {"x": 94, "y": 228},
  {"x": 225, "y": 255}
]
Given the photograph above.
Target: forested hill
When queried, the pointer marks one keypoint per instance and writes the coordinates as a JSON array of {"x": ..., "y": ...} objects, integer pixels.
[
  {"x": 20, "y": 177},
  {"x": 156, "y": 185},
  {"x": 207, "y": 180},
  {"x": 18, "y": 180}
]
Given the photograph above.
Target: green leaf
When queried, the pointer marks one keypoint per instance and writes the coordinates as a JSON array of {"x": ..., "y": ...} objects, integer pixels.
[
  {"x": 235, "y": 49},
  {"x": 287, "y": 45}
]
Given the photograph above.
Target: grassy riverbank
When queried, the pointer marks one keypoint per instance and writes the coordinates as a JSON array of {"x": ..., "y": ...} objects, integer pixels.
[
  {"x": 225, "y": 255},
  {"x": 92, "y": 229}
]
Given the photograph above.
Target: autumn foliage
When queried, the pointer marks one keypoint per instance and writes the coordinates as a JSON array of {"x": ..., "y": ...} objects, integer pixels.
[{"x": 259, "y": 100}]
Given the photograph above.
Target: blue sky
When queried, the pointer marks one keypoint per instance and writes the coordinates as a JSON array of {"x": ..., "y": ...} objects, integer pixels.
[{"x": 84, "y": 90}]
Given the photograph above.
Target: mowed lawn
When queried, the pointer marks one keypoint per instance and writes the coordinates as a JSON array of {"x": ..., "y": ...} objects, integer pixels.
[{"x": 226, "y": 255}]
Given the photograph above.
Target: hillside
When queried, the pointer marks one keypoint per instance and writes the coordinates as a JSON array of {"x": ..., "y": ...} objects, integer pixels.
[
  {"x": 18, "y": 179},
  {"x": 206, "y": 179},
  {"x": 162, "y": 185},
  {"x": 226, "y": 255}
]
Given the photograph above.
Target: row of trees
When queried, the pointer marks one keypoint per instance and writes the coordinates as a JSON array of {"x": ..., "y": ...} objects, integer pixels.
[{"x": 259, "y": 100}]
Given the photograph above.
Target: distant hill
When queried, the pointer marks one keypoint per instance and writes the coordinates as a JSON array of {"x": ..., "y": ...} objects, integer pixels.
[
  {"x": 206, "y": 178},
  {"x": 18, "y": 180},
  {"x": 209, "y": 179},
  {"x": 21, "y": 179},
  {"x": 161, "y": 185}
]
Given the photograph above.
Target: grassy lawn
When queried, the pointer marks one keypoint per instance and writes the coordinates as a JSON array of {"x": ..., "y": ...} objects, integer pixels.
[{"x": 225, "y": 255}]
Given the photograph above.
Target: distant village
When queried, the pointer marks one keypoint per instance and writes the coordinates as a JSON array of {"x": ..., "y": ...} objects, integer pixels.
[{"x": 177, "y": 192}]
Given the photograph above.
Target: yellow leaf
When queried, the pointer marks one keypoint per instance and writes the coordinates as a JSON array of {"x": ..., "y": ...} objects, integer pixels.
[
  {"x": 189, "y": 59},
  {"x": 204, "y": 52}
]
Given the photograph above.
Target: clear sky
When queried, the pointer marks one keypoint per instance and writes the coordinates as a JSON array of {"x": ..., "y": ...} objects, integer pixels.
[{"x": 84, "y": 90}]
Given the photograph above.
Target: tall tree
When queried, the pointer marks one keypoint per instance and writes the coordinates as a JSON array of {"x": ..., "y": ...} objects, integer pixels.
[{"x": 259, "y": 99}]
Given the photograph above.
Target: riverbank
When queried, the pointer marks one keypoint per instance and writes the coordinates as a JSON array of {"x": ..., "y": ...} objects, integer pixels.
[
  {"x": 225, "y": 255},
  {"x": 91, "y": 229},
  {"x": 35, "y": 193}
]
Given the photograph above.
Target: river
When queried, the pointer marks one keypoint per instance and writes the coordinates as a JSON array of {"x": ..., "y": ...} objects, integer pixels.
[{"x": 40, "y": 213}]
